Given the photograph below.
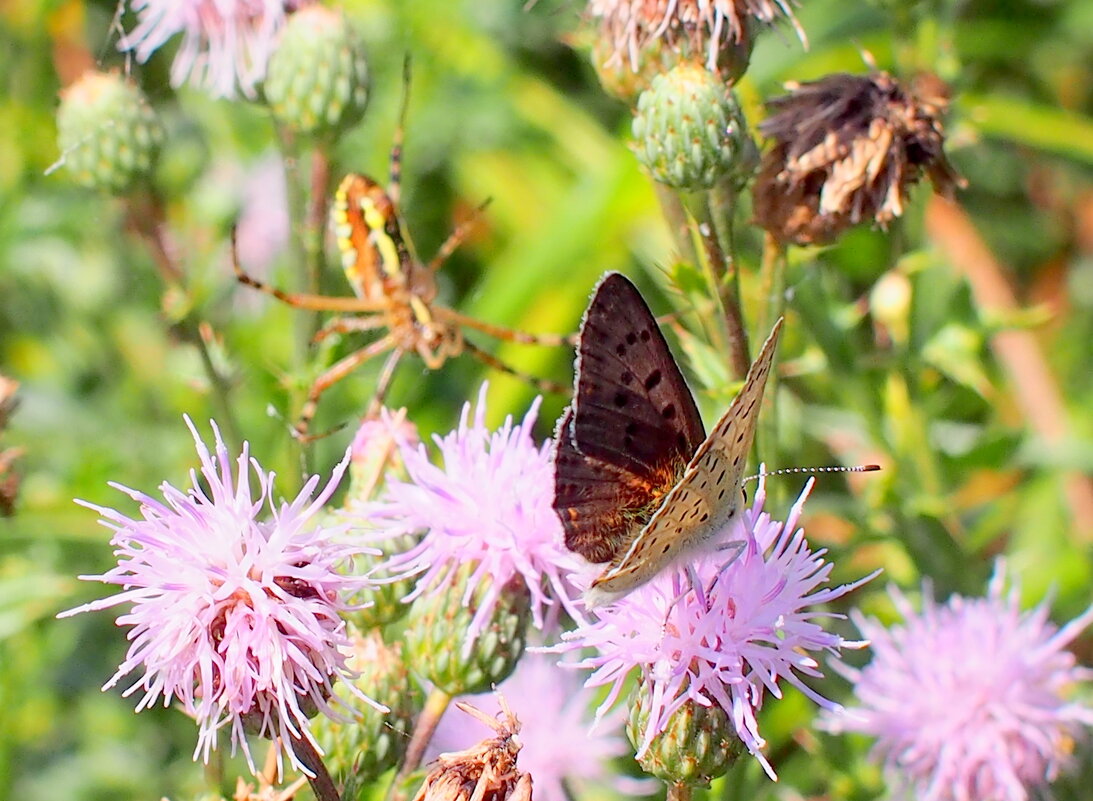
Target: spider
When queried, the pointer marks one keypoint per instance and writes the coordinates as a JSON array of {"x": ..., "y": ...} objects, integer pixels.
[{"x": 394, "y": 292}]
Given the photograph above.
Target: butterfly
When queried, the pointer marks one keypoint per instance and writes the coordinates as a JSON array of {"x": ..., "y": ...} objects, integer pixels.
[{"x": 637, "y": 482}]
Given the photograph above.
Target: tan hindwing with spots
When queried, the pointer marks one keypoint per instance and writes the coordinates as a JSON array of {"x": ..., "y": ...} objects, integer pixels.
[{"x": 706, "y": 498}]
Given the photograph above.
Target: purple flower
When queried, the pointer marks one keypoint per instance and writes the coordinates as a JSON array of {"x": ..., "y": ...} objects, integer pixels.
[
  {"x": 491, "y": 504},
  {"x": 225, "y": 45},
  {"x": 558, "y": 748},
  {"x": 237, "y": 618},
  {"x": 966, "y": 698},
  {"x": 749, "y": 625}
]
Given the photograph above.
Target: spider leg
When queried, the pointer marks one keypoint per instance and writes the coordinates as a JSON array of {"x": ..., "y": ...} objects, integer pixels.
[
  {"x": 332, "y": 375},
  {"x": 394, "y": 181},
  {"x": 505, "y": 333},
  {"x": 301, "y": 300},
  {"x": 347, "y": 325},
  {"x": 384, "y": 382},
  {"x": 455, "y": 239},
  {"x": 490, "y": 360}
]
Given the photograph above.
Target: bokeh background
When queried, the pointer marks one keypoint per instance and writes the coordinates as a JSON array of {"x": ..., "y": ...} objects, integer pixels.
[{"x": 896, "y": 349}]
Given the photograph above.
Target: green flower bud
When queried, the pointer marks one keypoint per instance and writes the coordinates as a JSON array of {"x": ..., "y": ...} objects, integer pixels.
[
  {"x": 436, "y": 633},
  {"x": 362, "y": 750},
  {"x": 697, "y": 745},
  {"x": 689, "y": 131},
  {"x": 386, "y": 598},
  {"x": 108, "y": 134},
  {"x": 317, "y": 78}
]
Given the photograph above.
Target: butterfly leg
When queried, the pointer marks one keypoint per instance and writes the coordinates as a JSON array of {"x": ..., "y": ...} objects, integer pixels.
[
  {"x": 332, "y": 375},
  {"x": 490, "y": 360}
]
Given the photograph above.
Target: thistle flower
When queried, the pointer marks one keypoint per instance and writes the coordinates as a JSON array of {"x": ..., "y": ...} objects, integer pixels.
[
  {"x": 225, "y": 44},
  {"x": 966, "y": 698},
  {"x": 236, "y": 617},
  {"x": 702, "y": 29},
  {"x": 847, "y": 148},
  {"x": 559, "y": 749},
  {"x": 490, "y": 506},
  {"x": 727, "y": 643}
]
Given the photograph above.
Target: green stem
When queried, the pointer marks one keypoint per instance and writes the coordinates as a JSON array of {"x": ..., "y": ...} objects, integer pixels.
[
  {"x": 316, "y": 217},
  {"x": 772, "y": 281},
  {"x": 678, "y": 222},
  {"x": 721, "y": 275},
  {"x": 151, "y": 224},
  {"x": 435, "y": 706}
]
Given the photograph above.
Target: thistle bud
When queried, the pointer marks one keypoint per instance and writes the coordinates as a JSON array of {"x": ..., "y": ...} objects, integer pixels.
[
  {"x": 317, "y": 78},
  {"x": 437, "y": 639},
  {"x": 373, "y": 742},
  {"x": 108, "y": 134},
  {"x": 689, "y": 131},
  {"x": 697, "y": 744}
]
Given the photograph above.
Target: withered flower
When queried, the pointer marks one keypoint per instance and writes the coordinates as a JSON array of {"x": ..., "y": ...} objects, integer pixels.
[
  {"x": 847, "y": 148},
  {"x": 646, "y": 37},
  {"x": 486, "y": 772}
]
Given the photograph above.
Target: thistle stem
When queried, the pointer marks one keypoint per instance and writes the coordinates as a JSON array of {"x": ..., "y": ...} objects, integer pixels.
[
  {"x": 721, "y": 274},
  {"x": 321, "y": 783},
  {"x": 150, "y": 224},
  {"x": 435, "y": 706},
  {"x": 316, "y": 216},
  {"x": 678, "y": 222},
  {"x": 772, "y": 281}
]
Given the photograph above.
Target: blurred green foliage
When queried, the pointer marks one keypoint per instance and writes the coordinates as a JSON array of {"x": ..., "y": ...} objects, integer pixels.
[{"x": 501, "y": 109}]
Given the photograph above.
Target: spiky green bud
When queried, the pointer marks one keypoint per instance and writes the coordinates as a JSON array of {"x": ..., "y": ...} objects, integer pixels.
[
  {"x": 108, "y": 134},
  {"x": 689, "y": 131},
  {"x": 436, "y": 633},
  {"x": 373, "y": 742},
  {"x": 697, "y": 745},
  {"x": 384, "y": 597},
  {"x": 317, "y": 78}
]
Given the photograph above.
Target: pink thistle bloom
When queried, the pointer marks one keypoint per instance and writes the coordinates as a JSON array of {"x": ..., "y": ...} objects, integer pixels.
[
  {"x": 236, "y": 617},
  {"x": 750, "y": 624},
  {"x": 225, "y": 44},
  {"x": 490, "y": 503},
  {"x": 559, "y": 750},
  {"x": 966, "y": 698}
]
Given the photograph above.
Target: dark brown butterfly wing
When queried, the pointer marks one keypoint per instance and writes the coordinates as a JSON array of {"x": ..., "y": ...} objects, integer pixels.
[{"x": 632, "y": 428}]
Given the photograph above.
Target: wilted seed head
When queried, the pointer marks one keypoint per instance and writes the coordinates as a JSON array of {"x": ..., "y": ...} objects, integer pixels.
[
  {"x": 847, "y": 149},
  {"x": 637, "y": 34},
  {"x": 486, "y": 772}
]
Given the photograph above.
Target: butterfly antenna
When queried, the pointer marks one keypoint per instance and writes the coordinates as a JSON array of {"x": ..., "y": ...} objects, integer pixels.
[{"x": 859, "y": 468}]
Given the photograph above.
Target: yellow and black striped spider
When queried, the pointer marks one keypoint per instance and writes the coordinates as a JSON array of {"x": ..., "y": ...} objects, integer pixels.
[{"x": 394, "y": 293}]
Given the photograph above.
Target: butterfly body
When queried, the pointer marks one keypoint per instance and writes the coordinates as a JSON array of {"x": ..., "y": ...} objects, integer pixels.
[{"x": 638, "y": 484}]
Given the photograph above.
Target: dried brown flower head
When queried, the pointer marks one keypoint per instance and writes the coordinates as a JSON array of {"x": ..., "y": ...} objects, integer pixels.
[
  {"x": 486, "y": 772},
  {"x": 847, "y": 148},
  {"x": 718, "y": 31}
]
